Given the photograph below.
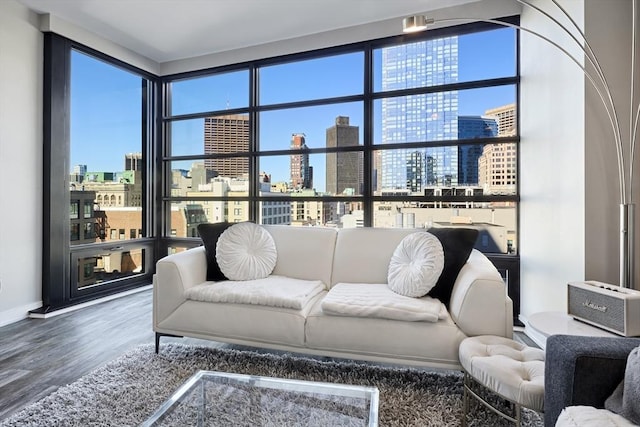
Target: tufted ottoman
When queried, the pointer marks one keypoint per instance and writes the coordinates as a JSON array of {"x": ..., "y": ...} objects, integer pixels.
[{"x": 507, "y": 368}]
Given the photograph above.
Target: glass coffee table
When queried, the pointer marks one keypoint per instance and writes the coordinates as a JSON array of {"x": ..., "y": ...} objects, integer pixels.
[{"x": 211, "y": 398}]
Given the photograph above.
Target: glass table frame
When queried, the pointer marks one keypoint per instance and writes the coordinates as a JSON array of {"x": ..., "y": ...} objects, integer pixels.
[{"x": 200, "y": 379}]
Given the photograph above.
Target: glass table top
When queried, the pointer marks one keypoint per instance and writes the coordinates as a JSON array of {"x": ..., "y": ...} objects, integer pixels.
[{"x": 211, "y": 398}]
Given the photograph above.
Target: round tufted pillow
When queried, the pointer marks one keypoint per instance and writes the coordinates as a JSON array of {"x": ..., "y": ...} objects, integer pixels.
[
  {"x": 416, "y": 265},
  {"x": 246, "y": 251}
]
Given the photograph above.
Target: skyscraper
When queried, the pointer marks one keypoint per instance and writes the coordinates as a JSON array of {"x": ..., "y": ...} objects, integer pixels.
[
  {"x": 343, "y": 169},
  {"x": 470, "y": 127},
  {"x": 506, "y": 118},
  {"x": 498, "y": 163},
  {"x": 227, "y": 134},
  {"x": 299, "y": 168},
  {"x": 418, "y": 118}
]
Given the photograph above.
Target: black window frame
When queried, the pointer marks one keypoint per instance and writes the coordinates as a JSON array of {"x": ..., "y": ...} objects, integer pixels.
[
  {"x": 367, "y": 97},
  {"x": 60, "y": 268},
  {"x": 157, "y": 197}
]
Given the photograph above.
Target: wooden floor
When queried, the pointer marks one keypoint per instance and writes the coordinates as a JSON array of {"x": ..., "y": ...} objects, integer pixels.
[{"x": 39, "y": 355}]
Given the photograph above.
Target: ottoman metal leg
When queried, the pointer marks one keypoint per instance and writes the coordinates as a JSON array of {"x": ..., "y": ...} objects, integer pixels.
[
  {"x": 465, "y": 400},
  {"x": 468, "y": 380}
]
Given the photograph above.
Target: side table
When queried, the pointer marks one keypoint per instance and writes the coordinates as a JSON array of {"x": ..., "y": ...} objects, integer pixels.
[{"x": 546, "y": 323}]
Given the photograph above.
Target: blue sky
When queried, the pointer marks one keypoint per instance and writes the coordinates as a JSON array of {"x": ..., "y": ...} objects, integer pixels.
[{"x": 106, "y": 106}]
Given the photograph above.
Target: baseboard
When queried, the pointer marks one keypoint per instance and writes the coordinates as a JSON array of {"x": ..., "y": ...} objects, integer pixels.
[
  {"x": 18, "y": 313},
  {"x": 87, "y": 304}
]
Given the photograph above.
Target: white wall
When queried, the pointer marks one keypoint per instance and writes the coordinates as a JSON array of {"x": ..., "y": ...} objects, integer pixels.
[
  {"x": 21, "y": 65},
  {"x": 569, "y": 209},
  {"x": 59, "y": 26},
  {"x": 20, "y": 162},
  {"x": 552, "y": 168}
]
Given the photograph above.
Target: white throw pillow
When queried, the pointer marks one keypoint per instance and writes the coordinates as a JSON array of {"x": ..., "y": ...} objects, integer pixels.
[
  {"x": 246, "y": 251},
  {"x": 416, "y": 264}
]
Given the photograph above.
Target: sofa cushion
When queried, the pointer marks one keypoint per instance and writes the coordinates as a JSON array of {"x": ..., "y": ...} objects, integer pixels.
[
  {"x": 626, "y": 397},
  {"x": 273, "y": 291},
  {"x": 588, "y": 416},
  {"x": 246, "y": 251},
  {"x": 209, "y": 233},
  {"x": 416, "y": 265},
  {"x": 377, "y": 300},
  {"x": 457, "y": 244}
]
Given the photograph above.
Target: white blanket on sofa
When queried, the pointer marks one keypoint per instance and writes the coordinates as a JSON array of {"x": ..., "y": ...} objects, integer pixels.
[
  {"x": 273, "y": 291},
  {"x": 377, "y": 300}
]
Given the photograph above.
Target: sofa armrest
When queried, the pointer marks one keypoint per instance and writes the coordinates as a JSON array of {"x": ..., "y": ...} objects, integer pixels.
[
  {"x": 479, "y": 303},
  {"x": 174, "y": 275},
  {"x": 582, "y": 371}
]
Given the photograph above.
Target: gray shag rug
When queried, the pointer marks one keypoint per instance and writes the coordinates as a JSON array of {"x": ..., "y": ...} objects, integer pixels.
[{"x": 126, "y": 391}]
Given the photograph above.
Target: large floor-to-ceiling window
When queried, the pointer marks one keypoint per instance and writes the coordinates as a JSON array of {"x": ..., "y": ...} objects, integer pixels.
[
  {"x": 97, "y": 142},
  {"x": 410, "y": 131}
]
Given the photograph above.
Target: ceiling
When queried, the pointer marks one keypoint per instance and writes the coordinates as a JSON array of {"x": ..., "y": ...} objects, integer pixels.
[{"x": 166, "y": 30}]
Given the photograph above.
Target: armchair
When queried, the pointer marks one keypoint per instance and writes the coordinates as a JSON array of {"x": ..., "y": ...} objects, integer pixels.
[{"x": 582, "y": 371}]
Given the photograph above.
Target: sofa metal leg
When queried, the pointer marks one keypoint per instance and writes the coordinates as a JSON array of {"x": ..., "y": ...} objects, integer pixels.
[{"x": 158, "y": 335}]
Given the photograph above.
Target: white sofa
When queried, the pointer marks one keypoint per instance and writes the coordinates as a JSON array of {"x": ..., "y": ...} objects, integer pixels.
[{"x": 479, "y": 303}]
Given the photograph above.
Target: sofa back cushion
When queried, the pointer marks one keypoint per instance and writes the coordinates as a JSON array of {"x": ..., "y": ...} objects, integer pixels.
[
  {"x": 304, "y": 252},
  {"x": 457, "y": 244},
  {"x": 362, "y": 255},
  {"x": 210, "y": 233}
]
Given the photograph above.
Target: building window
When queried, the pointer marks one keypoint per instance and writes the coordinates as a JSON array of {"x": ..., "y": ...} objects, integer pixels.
[
  {"x": 73, "y": 209},
  {"x": 89, "y": 232},
  {"x": 75, "y": 232},
  {"x": 88, "y": 209}
]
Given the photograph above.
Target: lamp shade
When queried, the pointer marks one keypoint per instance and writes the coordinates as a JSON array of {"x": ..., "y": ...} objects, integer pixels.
[{"x": 412, "y": 24}]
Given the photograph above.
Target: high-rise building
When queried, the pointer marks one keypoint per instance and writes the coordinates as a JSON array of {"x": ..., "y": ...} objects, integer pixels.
[
  {"x": 506, "y": 118},
  {"x": 497, "y": 168},
  {"x": 299, "y": 168},
  {"x": 344, "y": 170},
  {"x": 470, "y": 127},
  {"x": 223, "y": 135},
  {"x": 418, "y": 118},
  {"x": 498, "y": 164},
  {"x": 377, "y": 172}
]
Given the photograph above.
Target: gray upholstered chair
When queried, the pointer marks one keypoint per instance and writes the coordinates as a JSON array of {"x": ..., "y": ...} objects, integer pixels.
[{"x": 582, "y": 371}]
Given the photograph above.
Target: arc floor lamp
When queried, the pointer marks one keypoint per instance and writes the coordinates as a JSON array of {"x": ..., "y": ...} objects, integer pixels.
[{"x": 558, "y": 16}]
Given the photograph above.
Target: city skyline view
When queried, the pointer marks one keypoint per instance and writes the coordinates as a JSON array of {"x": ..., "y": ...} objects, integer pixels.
[{"x": 110, "y": 123}]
